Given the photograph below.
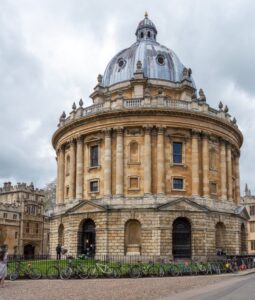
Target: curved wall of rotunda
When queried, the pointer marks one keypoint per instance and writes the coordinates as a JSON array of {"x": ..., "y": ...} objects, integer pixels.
[{"x": 149, "y": 162}]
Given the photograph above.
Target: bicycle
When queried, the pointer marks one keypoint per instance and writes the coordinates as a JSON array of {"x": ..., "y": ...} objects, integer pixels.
[
  {"x": 74, "y": 270},
  {"x": 99, "y": 269},
  {"x": 25, "y": 269},
  {"x": 53, "y": 272}
]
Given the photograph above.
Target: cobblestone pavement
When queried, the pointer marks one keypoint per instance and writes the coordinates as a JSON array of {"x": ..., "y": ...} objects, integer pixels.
[{"x": 104, "y": 289}]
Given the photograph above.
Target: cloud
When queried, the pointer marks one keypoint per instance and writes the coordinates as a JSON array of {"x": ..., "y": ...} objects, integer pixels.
[{"x": 52, "y": 51}]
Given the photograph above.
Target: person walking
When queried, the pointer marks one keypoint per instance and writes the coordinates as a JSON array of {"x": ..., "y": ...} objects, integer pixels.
[
  {"x": 58, "y": 250},
  {"x": 3, "y": 267}
]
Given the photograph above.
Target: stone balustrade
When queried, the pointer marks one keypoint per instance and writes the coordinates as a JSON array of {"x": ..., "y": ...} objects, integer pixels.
[{"x": 144, "y": 103}]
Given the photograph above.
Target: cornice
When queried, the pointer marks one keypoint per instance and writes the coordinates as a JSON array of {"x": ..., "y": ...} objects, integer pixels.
[{"x": 147, "y": 112}]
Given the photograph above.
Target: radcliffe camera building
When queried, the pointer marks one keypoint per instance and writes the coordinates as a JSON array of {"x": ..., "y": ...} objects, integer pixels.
[{"x": 150, "y": 168}]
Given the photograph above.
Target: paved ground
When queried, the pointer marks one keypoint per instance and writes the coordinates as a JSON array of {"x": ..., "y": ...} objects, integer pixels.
[
  {"x": 236, "y": 288},
  {"x": 110, "y": 289}
]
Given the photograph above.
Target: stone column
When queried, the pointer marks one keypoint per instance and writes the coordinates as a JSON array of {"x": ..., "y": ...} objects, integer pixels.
[
  {"x": 72, "y": 170},
  {"x": 79, "y": 168},
  {"x": 119, "y": 163},
  {"x": 160, "y": 161},
  {"x": 223, "y": 170},
  {"x": 195, "y": 163},
  {"x": 61, "y": 175},
  {"x": 205, "y": 159},
  {"x": 237, "y": 182},
  {"x": 147, "y": 160},
  {"x": 229, "y": 171},
  {"x": 108, "y": 163}
]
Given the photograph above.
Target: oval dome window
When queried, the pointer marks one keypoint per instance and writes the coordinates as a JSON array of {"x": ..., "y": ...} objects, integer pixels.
[
  {"x": 121, "y": 63},
  {"x": 160, "y": 59}
]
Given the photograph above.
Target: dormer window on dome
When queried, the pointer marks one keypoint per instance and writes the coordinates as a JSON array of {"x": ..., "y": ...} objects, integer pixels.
[{"x": 146, "y": 30}]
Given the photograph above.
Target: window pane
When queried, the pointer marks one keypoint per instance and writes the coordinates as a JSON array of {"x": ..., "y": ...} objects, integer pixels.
[
  {"x": 178, "y": 184},
  {"x": 177, "y": 153},
  {"x": 94, "y": 186},
  {"x": 94, "y": 156},
  {"x": 252, "y": 245},
  {"x": 252, "y": 226}
]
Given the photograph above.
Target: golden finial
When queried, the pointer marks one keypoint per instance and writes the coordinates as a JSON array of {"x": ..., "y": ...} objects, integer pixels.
[{"x": 146, "y": 14}]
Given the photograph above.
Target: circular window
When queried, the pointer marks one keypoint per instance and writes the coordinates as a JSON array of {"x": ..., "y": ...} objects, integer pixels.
[
  {"x": 121, "y": 62},
  {"x": 160, "y": 59}
]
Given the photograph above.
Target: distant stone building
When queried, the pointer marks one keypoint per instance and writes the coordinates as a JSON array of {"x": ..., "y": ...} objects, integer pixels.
[
  {"x": 249, "y": 202},
  {"x": 23, "y": 226},
  {"x": 150, "y": 168}
]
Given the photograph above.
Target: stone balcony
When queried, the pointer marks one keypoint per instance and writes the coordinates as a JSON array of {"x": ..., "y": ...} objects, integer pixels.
[{"x": 145, "y": 103}]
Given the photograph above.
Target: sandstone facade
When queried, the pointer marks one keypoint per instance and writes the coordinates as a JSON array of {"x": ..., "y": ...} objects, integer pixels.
[
  {"x": 23, "y": 227},
  {"x": 150, "y": 168}
]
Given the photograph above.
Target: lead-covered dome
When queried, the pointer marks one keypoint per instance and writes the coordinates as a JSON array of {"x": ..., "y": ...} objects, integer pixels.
[{"x": 158, "y": 61}]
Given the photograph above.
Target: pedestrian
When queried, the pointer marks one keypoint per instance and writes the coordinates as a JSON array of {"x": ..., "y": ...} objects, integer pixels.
[
  {"x": 3, "y": 267},
  {"x": 58, "y": 250}
]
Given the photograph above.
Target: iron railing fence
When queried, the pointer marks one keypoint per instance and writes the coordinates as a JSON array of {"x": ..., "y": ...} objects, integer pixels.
[{"x": 44, "y": 263}]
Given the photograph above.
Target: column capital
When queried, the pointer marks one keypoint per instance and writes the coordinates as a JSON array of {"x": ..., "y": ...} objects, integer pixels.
[
  {"x": 80, "y": 139},
  {"x": 60, "y": 148},
  {"x": 195, "y": 133},
  {"x": 107, "y": 132},
  {"x": 161, "y": 129},
  {"x": 147, "y": 129},
  {"x": 119, "y": 130},
  {"x": 205, "y": 135},
  {"x": 222, "y": 141},
  {"x": 71, "y": 142}
]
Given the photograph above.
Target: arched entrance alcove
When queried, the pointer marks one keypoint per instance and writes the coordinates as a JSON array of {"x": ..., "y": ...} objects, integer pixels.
[
  {"x": 133, "y": 237},
  {"x": 220, "y": 237},
  {"x": 243, "y": 239},
  {"x": 87, "y": 237},
  {"x": 181, "y": 237},
  {"x": 29, "y": 251},
  {"x": 61, "y": 240}
]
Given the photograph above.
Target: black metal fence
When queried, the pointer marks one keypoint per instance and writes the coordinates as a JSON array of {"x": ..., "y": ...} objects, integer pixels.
[{"x": 44, "y": 264}]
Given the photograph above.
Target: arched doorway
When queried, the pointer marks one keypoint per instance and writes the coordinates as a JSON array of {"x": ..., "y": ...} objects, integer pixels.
[
  {"x": 220, "y": 238},
  {"x": 61, "y": 240},
  {"x": 243, "y": 239},
  {"x": 133, "y": 237},
  {"x": 181, "y": 236},
  {"x": 29, "y": 251},
  {"x": 87, "y": 238}
]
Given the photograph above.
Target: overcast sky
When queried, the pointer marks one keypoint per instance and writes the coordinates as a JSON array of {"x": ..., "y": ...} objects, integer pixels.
[{"x": 51, "y": 52}]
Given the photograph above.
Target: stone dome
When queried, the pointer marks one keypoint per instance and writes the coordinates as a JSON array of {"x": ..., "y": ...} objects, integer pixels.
[{"x": 158, "y": 61}]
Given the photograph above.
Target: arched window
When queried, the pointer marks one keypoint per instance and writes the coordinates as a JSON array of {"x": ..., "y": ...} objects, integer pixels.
[
  {"x": 181, "y": 238},
  {"x": 148, "y": 34},
  {"x": 133, "y": 237},
  {"x": 67, "y": 165},
  {"x": 213, "y": 160},
  {"x": 243, "y": 239},
  {"x": 87, "y": 237},
  {"x": 142, "y": 35},
  {"x": 61, "y": 240},
  {"x": 133, "y": 152},
  {"x": 220, "y": 237}
]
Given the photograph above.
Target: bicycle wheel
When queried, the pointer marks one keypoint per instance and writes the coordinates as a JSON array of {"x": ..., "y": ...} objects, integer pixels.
[
  {"x": 52, "y": 272},
  {"x": 66, "y": 273},
  {"x": 14, "y": 275},
  {"x": 34, "y": 273},
  {"x": 92, "y": 273},
  {"x": 161, "y": 272},
  {"x": 135, "y": 272},
  {"x": 82, "y": 272},
  {"x": 152, "y": 271}
]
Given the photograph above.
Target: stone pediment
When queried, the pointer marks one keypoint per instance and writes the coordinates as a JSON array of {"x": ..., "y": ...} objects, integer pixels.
[
  {"x": 183, "y": 204},
  {"x": 242, "y": 212},
  {"x": 84, "y": 207}
]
